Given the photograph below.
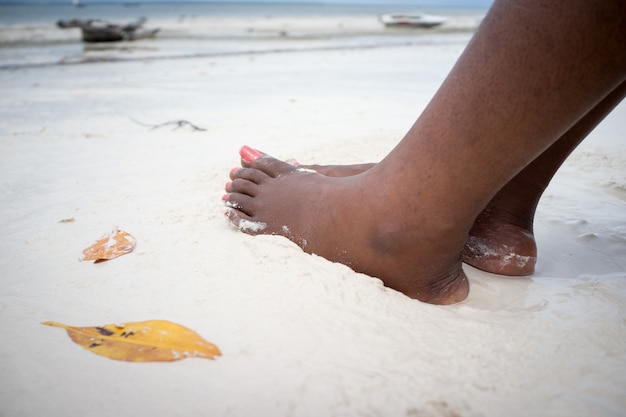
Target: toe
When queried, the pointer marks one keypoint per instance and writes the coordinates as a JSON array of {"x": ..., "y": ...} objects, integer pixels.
[
  {"x": 269, "y": 165},
  {"x": 250, "y": 174},
  {"x": 244, "y": 222},
  {"x": 242, "y": 186},
  {"x": 241, "y": 203}
]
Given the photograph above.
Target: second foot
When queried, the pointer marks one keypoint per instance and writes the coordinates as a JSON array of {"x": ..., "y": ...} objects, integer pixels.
[{"x": 501, "y": 248}]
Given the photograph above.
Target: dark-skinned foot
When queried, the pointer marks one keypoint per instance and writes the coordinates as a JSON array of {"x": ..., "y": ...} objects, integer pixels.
[
  {"x": 348, "y": 220},
  {"x": 499, "y": 245}
]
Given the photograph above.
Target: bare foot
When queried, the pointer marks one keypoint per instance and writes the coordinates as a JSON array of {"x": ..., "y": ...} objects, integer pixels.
[
  {"x": 496, "y": 244},
  {"x": 351, "y": 220},
  {"x": 500, "y": 245}
]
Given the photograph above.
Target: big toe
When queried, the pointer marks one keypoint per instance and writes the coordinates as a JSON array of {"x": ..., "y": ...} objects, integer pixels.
[{"x": 251, "y": 158}]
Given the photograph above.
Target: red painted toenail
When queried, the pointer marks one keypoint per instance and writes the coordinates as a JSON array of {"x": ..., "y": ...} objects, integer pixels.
[
  {"x": 248, "y": 154},
  {"x": 225, "y": 197},
  {"x": 227, "y": 185},
  {"x": 232, "y": 171}
]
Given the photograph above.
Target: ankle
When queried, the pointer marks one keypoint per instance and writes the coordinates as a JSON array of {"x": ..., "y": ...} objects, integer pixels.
[
  {"x": 450, "y": 289},
  {"x": 426, "y": 266}
]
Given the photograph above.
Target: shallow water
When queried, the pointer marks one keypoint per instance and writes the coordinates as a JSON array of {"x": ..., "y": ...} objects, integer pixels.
[{"x": 29, "y": 35}]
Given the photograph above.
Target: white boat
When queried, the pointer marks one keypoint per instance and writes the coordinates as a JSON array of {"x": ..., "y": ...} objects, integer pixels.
[{"x": 412, "y": 20}]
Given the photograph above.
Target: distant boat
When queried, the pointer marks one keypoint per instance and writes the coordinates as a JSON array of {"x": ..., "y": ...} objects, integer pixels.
[
  {"x": 412, "y": 20},
  {"x": 99, "y": 31}
]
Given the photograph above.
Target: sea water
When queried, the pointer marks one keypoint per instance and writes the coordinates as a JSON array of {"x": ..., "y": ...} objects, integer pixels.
[{"x": 29, "y": 35}]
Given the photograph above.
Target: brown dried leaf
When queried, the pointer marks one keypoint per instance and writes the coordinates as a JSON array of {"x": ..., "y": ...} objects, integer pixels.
[
  {"x": 146, "y": 341},
  {"x": 116, "y": 243}
]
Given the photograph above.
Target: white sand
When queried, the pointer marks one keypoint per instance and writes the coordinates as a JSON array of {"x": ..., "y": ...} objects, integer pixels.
[{"x": 300, "y": 336}]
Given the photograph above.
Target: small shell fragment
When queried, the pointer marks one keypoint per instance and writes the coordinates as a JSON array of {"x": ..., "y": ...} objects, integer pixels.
[{"x": 116, "y": 243}]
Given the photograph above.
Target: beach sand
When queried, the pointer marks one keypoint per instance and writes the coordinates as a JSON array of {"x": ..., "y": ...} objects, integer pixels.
[{"x": 300, "y": 336}]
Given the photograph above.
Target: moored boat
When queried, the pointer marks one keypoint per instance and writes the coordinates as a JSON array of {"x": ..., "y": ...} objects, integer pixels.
[
  {"x": 100, "y": 31},
  {"x": 422, "y": 20}
]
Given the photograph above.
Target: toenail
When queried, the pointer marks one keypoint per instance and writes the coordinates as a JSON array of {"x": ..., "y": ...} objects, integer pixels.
[
  {"x": 232, "y": 171},
  {"x": 228, "y": 184},
  {"x": 225, "y": 197},
  {"x": 248, "y": 154}
]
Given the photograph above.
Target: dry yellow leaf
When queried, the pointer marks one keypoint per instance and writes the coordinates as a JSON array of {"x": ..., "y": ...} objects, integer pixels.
[
  {"x": 145, "y": 341},
  {"x": 110, "y": 246}
]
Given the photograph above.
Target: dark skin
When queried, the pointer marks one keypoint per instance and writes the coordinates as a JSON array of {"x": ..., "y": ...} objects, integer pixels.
[{"x": 524, "y": 81}]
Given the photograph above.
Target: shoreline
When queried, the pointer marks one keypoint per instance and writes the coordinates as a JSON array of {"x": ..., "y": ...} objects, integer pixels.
[{"x": 83, "y": 60}]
